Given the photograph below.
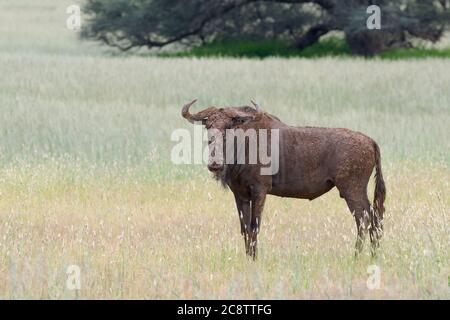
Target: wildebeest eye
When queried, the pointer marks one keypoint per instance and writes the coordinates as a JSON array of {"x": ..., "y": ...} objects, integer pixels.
[{"x": 240, "y": 120}]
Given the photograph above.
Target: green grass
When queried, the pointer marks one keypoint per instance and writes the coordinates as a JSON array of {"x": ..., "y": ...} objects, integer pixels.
[
  {"x": 329, "y": 47},
  {"x": 416, "y": 53},
  {"x": 264, "y": 49}
]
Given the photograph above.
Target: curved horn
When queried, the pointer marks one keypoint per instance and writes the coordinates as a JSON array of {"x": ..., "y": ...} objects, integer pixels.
[
  {"x": 201, "y": 115},
  {"x": 185, "y": 111},
  {"x": 257, "y": 107}
]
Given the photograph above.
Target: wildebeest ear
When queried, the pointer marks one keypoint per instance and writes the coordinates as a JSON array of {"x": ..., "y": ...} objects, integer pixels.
[{"x": 257, "y": 107}]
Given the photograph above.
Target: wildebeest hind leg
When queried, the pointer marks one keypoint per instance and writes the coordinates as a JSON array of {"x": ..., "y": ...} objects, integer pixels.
[
  {"x": 376, "y": 231},
  {"x": 360, "y": 209}
]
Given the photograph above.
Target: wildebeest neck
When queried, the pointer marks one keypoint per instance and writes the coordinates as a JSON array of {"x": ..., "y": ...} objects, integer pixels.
[{"x": 229, "y": 172}]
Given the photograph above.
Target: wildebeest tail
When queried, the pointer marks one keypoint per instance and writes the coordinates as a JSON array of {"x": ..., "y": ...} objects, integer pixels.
[{"x": 380, "y": 188}]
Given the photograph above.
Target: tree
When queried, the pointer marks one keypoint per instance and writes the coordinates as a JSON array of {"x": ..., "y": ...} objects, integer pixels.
[{"x": 127, "y": 24}]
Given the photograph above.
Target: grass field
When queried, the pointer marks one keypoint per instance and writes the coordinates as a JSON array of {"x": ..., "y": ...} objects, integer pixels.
[{"x": 86, "y": 177}]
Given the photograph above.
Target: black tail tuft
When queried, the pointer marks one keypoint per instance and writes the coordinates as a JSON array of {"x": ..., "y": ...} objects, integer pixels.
[{"x": 380, "y": 188}]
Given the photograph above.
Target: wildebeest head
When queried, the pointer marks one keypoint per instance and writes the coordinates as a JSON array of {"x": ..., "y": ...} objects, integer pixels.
[{"x": 217, "y": 121}]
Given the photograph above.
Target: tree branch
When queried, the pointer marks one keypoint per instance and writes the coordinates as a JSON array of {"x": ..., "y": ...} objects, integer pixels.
[
  {"x": 326, "y": 4},
  {"x": 312, "y": 36}
]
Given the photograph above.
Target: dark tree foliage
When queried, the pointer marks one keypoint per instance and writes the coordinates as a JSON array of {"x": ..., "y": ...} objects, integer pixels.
[{"x": 127, "y": 24}]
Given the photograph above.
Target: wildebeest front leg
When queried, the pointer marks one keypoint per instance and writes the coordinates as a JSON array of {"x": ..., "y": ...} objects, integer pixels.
[
  {"x": 257, "y": 206},
  {"x": 244, "y": 212},
  {"x": 239, "y": 206}
]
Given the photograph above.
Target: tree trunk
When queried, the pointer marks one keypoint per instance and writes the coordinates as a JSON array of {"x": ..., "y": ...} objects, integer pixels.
[{"x": 372, "y": 42}]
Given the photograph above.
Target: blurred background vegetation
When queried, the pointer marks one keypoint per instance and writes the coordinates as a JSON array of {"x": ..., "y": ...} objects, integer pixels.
[{"x": 287, "y": 28}]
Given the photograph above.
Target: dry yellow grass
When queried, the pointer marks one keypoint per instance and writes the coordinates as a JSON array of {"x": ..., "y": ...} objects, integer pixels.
[
  {"x": 86, "y": 179},
  {"x": 180, "y": 239}
]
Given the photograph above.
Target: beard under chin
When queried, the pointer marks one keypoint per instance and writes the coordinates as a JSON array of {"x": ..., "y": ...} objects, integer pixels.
[{"x": 221, "y": 175}]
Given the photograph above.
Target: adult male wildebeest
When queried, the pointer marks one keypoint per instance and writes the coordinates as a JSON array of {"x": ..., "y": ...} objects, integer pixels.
[{"x": 312, "y": 161}]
